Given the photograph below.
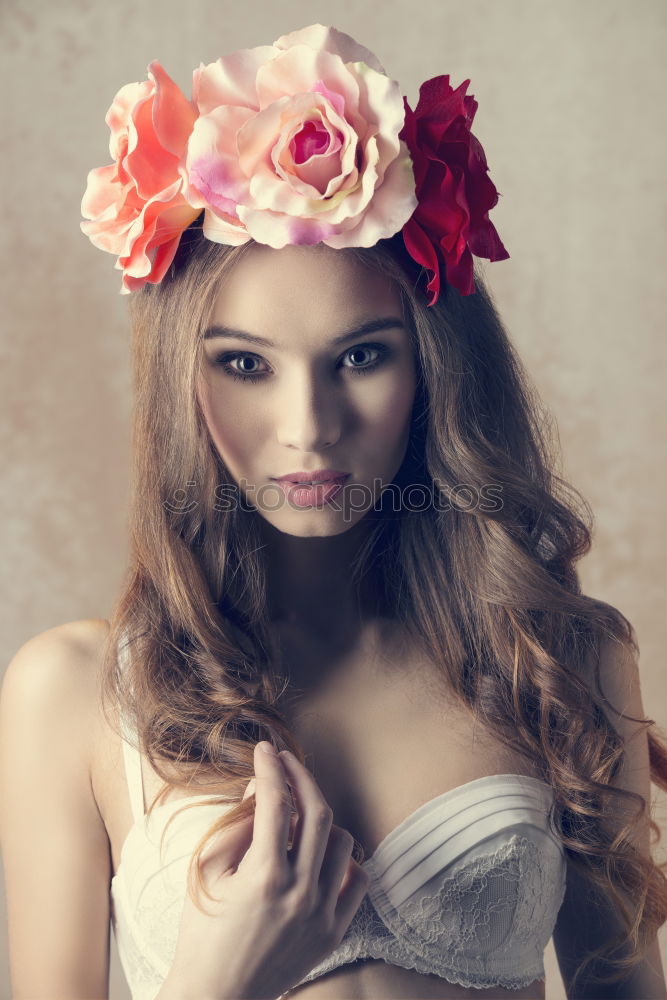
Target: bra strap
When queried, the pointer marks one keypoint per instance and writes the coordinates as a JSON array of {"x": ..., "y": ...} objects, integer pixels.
[{"x": 131, "y": 756}]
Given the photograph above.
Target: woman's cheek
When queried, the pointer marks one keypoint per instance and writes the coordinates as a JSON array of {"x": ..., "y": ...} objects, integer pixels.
[
  {"x": 231, "y": 425},
  {"x": 389, "y": 408}
]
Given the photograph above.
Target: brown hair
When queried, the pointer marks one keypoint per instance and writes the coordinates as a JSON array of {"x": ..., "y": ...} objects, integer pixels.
[{"x": 490, "y": 589}]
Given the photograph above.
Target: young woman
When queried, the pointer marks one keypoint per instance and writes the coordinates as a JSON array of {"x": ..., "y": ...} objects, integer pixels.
[{"x": 347, "y": 542}]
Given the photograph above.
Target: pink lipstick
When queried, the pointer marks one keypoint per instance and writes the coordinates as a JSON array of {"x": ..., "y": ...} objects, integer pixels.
[{"x": 312, "y": 489}]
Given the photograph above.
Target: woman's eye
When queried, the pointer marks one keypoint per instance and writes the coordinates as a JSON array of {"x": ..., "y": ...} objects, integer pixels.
[
  {"x": 249, "y": 372},
  {"x": 360, "y": 363}
]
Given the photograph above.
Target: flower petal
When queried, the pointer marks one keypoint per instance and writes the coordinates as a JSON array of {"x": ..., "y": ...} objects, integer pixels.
[
  {"x": 319, "y": 36},
  {"x": 393, "y": 203},
  {"x": 173, "y": 115},
  {"x": 230, "y": 79},
  {"x": 119, "y": 113},
  {"x": 102, "y": 191},
  {"x": 276, "y": 229},
  {"x": 160, "y": 222},
  {"x": 224, "y": 229},
  {"x": 300, "y": 71},
  {"x": 216, "y": 179}
]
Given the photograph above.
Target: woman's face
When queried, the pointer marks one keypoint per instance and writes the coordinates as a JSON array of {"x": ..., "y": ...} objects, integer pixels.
[{"x": 307, "y": 365}]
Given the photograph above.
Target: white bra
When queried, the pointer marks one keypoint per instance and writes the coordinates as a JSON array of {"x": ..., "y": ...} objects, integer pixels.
[{"x": 467, "y": 887}]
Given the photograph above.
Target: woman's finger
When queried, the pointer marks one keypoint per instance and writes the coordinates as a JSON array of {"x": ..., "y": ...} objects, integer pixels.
[
  {"x": 273, "y": 809},
  {"x": 314, "y": 819},
  {"x": 353, "y": 888},
  {"x": 225, "y": 852},
  {"x": 335, "y": 866}
]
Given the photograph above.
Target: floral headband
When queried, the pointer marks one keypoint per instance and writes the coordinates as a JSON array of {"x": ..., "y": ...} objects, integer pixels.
[{"x": 301, "y": 142}]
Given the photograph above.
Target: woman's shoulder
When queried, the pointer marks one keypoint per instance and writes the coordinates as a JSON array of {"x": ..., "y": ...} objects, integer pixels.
[
  {"x": 51, "y": 697},
  {"x": 611, "y": 666},
  {"x": 74, "y": 638},
  {"x": 74, "y": 633},
  {"x": 58, "y": 667}
]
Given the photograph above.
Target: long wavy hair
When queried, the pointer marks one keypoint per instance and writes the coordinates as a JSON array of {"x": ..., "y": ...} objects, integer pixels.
[{"x": 490, "y": 589}]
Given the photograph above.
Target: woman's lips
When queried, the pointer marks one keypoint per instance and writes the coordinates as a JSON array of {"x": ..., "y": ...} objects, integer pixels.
[
  {"x": 317, "y": 475},
  {"x": 311, "y": 496}
]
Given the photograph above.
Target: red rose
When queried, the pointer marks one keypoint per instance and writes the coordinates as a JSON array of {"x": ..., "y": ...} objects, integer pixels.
[{"x": 453, "y": 189}]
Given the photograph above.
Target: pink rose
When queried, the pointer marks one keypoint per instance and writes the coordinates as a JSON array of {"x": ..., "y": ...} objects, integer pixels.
[
  {"x": 298, "y": 142},
  {"x": 136, "y": 205}
]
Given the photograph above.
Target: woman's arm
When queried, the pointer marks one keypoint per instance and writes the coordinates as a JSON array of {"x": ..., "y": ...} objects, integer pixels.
[
  {"x": 54, "y": 844},
  {"x": 581, "y": 927}
]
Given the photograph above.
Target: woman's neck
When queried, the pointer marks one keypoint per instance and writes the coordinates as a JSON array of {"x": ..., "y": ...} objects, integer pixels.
[{"x": 310, "y": 584}]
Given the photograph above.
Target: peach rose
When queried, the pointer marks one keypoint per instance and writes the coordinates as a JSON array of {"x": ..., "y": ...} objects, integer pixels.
[
  {"x": 135, "y": 206},
  {"x": 297, "y": 142}
]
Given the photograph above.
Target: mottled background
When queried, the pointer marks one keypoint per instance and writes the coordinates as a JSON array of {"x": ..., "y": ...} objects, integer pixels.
[{"x": 572, "y": 118}]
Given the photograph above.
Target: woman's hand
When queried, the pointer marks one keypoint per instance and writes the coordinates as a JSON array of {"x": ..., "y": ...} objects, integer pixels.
[{"x": 278, "y": 912}]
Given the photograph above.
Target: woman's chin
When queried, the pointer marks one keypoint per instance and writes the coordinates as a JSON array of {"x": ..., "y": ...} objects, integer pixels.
[{"x": 311, "y": 523}]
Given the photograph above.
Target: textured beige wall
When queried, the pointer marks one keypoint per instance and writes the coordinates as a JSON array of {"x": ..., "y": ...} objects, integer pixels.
[{"x": 572, "y": 118}]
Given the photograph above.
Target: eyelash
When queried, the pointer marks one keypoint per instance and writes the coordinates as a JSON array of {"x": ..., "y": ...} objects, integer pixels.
[{"x": 224, "y": 359}]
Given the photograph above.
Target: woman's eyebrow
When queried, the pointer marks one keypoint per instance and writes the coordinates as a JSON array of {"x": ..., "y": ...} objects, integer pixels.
[{"x": 372, "y": 326}]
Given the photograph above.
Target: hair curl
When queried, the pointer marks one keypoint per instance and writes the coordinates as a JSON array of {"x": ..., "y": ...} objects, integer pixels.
[{"x": 199, "y": 684}]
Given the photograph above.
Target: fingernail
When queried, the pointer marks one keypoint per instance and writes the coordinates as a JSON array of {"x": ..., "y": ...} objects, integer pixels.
[
  {"x": 250, "y": 788},
  {"x": 267, "y": 747}
]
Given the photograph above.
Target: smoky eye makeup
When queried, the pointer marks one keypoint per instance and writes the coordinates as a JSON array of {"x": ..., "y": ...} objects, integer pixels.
[{"x": 365, "y": 358}]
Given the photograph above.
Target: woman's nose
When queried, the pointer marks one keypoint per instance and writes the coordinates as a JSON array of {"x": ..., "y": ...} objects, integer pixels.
[{"x": 309, "y": 417}]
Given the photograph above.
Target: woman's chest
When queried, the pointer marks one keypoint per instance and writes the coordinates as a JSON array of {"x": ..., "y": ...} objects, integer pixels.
[
  {"x": 382, "y": 735},
  {"x": 383, "y": 743},
  {"x": 381, "y": 748}
]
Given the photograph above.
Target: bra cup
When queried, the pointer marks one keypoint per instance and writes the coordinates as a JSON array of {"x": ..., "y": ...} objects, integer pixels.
[
  {"x": 483, "y": 923},
  {"x": 502, "y": 895},
  {"x": 487, "y": 919}
]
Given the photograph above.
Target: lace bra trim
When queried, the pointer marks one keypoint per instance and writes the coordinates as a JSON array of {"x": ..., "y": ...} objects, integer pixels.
[{"x": 452, "y": 923}]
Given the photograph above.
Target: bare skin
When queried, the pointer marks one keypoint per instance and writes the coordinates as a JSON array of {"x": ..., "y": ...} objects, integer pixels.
[
  {"x": 372, "y": 770},
  {"x": 360, "y": 690}
]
